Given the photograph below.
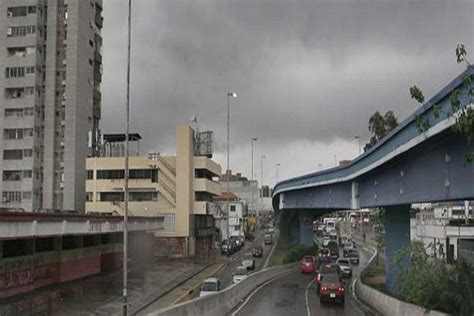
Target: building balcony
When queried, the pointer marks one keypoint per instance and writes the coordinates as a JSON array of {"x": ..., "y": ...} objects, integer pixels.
[
  {"x": 207, "y": 164},
  {"x": 208, "y": 186}
]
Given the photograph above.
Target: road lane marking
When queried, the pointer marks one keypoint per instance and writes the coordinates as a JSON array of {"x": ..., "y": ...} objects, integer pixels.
[
  {"x": 259, "y": 288},
  {"x": 306, "y": 296}
]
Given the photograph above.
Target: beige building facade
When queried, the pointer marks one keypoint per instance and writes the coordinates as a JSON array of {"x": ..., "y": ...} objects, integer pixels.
[{"x": 178, "y": 189}]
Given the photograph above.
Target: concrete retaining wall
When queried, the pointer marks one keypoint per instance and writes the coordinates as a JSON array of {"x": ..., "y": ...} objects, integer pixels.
[
  {"x": 386, "y": 304},
  {"x": 224, "y": 301}
]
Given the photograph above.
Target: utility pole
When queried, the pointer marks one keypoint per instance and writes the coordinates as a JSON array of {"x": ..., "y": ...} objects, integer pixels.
[
  {"x": 227, "y": 173},
  {"x": 127, "y": 131},
  {"x": 358, "y": 138}
]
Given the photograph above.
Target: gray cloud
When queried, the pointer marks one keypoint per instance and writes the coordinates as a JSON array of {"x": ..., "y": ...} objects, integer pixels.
[{"x": 306, "y": 71}]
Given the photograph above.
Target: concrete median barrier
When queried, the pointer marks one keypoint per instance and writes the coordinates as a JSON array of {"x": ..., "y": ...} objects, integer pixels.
[{"x": 223, "y": 302}]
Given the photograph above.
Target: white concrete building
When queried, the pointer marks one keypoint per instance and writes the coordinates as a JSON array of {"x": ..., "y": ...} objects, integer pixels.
[{"x": 50, "y": 103}]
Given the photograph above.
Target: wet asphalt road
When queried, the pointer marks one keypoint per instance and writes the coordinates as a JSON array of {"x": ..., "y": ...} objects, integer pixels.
[{"x": 287, "y": 296}]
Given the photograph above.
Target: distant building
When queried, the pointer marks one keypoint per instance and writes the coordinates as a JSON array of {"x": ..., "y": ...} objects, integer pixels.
[
  {"x": 50, "y": 101},
  {"x": 179, "y": 189},
  {"x": 246, "y": 190},
  {"x": 443, "y": 229}
]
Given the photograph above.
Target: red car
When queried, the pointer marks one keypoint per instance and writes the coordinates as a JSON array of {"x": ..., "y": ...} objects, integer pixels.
[
  {"x": 332, "y": 289},
  {"x": 308, "y": 264}
]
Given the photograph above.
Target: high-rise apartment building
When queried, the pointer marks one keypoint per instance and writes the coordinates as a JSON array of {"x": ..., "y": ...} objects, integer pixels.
[{"x": 50, "y": 105}]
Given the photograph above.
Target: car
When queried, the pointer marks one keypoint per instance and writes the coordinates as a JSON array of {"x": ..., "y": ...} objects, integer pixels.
[
  {"x": 353, "y": 255},
  {"x": 257, "y": 251},
  {"x": 347, "y": 246},
  {"x": 332, "y": 289},
  {"x": 249, "y": 236},
  {"x": 268, "y": 238},
  {"x": 235, "y": 240},
  {"x": 308, "y": 264},
  {"x": 240, "y": 274},
  {"x": 324, "y": 252},
  {"x": 334, "y": 250},
  {"x": 326, "y": 241},
  {"x": 248, "y": 261},
  {"x": 346, "y": 269},
  {"x": 324, "y": 270},
  {"x": 210, "y": 286},
  {"x": 226, "y": 248}
]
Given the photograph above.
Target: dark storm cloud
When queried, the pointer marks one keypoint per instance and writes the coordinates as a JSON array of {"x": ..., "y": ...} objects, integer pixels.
[{"x": 305, "y": 70}]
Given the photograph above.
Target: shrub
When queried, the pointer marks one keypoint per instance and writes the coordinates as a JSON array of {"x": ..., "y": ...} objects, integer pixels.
[{"x": 297, "y": 252}]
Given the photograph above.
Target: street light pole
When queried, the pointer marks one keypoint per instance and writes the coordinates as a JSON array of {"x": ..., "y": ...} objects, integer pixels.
[
  {"x": 261, "y": 179},
  {"x": 127, "y": 131},
  {"x": 234, "y": 95},
  {"x": 277, "y": 165},
  {"x": 253, "y": 140},
  {"x": 358, "y": 138}
]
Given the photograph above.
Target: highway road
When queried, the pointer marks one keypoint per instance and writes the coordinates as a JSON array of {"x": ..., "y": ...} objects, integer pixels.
[{"x": 295, "y": 294}]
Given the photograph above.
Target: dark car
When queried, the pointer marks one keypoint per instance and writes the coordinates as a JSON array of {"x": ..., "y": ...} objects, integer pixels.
[
  {"x": 249, "y": 237},
  {"x": 334, "y": 250},
  {"x": 226, "y": 248},
  {"x": 324, "y": 253},
  {"x": 327, "y": 269},
  {"x": 353, "y": 255},
  {"x": 332, "y": 289},
  {"x": 257, "y": 251}
]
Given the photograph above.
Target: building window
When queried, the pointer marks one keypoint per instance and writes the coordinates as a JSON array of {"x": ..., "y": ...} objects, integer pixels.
[
  {"x": 29, "y": 111},
  {"x": 30, "y": 70},
  {"x": 89, "y": 197},
  {"x": 12, "y": 175},
  {"x": 13, "y": 112},
  {"x": 13, "y": 154},
  {"x": 110, "y": 196},
  {"x": 143, "y": 196},
  {"x": 27, "y": 174},
  {"x": 110, "y": 174},
  {"x": 19, "y": 31},
  {"x": 27, "y": 153},
  {"x": 13, "y": 133},
  {"x": 27, "y": 132},
  {"x": 14, "y": 72},
  {"x": 232, "y": 208},
  {"x": 16, "y": 11},
  {"x": 32, "y": 9},
  {"x": 11, "y": 196},
  {"x": 90, "y": 174},
  {"x": 26, "y": 195},
  {"x": 142, "y": 173}
]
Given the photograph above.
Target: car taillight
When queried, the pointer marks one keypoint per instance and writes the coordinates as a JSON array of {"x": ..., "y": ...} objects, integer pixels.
[{"x": 341, "y": 289}]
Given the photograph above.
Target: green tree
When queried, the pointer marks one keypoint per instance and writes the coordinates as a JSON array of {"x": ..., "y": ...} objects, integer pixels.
[
  {"x": 380, "y": 125},
  {"x": 465, "y": 117}
]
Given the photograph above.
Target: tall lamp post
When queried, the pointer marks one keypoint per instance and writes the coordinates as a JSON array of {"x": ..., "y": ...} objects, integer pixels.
[
  {"x": 254, "y": 139},
  {"x": 227, "y": 175},
  {"x": 358, "y": 138},
  {"x": 125, "y": 213},
  {"x": 277, "y": 165},
  {"x": 261, "y": 180}
]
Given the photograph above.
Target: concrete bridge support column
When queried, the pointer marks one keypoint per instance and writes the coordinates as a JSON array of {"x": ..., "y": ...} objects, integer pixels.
[
  {"x": 306, "y": 229},
  {"x": 397, "y": 236}
]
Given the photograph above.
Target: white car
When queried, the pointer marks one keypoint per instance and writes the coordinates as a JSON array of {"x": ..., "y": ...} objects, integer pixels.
[
  {"x": 248, "y": 261},
  {"x": 240, "y": 274},
  {"x": 346, "y": 269},
  {"x": 210, "y": 286},
  {"x": 326, "y": 241}
]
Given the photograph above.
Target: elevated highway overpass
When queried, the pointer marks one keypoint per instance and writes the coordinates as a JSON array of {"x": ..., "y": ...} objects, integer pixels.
[{"x": 410, "y": 165}]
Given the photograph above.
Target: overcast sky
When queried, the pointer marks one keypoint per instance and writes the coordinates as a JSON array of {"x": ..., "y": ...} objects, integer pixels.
[{"x": 308, "y": 73}]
